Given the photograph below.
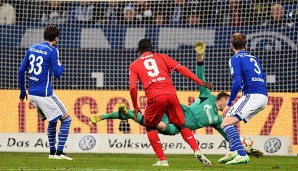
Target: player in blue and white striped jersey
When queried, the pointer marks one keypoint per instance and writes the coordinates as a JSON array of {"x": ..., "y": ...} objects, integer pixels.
[
  {"x": 248, "y": 75},
  {"x": 43, "y": 60}
]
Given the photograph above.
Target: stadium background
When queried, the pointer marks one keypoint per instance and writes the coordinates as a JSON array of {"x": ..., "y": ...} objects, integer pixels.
[{"x": 98, "y": 51}]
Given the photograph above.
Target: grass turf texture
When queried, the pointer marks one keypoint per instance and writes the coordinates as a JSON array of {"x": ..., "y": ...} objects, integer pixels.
[{"x": 127, "y": 162}]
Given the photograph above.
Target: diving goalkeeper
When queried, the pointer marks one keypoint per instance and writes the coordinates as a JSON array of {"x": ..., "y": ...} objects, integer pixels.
[{"x": 202, "y": 113}]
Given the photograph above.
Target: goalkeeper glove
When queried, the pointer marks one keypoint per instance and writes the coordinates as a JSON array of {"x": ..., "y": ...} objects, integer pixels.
[
  {"x": 200, "y": 48},
  {"x": 255, "y": 152}
]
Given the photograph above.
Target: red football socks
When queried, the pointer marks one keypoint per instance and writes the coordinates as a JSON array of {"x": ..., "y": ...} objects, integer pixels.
[
  {"x": 189, "y": 138},
  {"x": 156, "y": 145}
]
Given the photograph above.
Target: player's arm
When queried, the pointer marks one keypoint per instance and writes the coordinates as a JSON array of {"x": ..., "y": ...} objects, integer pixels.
[
  {"x": 187, "y": 73},
  {"x": 174, "y": 65},
  {"x": 57, "y": 67},
  {"x": 236, "y": 76},
  {"x": 133, "y": 89},
  {"x": 21, "y": 76},
  {"x": 200, "y": 49},
  {"x": 204, "y": 92}
]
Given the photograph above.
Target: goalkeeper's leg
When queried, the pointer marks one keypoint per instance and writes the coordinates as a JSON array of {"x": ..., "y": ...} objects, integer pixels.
[
  {"x": 167, "y": 129},
  {"x": 163, "y": 128},
  {"x": 118, "y": 115},
  {"x": 112, "y": 115}
]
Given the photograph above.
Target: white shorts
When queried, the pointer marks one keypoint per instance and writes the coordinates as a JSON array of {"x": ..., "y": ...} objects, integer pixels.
[
  {"x": 248, "y": 106},
  {"x": 51, "y": 106}
]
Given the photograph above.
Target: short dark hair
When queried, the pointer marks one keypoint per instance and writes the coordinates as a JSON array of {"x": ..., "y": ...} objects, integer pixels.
[
  {"x": 221, "y": 95},
  {"x": 144, "y": 45},
  {"x": 239, "y": 41},
  {"x": 50, "y": 33}
]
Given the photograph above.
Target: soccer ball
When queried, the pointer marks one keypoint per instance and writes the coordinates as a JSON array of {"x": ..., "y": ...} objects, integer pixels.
[{"x": 247, "y": 143}]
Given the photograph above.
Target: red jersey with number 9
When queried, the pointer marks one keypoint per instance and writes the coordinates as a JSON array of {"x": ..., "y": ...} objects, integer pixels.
[{"x": 153, "y": 70}]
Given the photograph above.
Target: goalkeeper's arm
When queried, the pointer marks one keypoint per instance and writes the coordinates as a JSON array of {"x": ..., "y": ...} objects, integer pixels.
[{"x": 200, "y": 48}]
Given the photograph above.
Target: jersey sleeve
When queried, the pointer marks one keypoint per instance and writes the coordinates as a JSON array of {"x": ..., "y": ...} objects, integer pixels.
[
  {"x": 235, "y": 67},
  {"x": 204, "y": 92},
  {"x": 22, "y": 70},
  {"x": 170, "y": 62},
  {"x": 133, "y": 76},
  {"x": 57, "y": 67}
]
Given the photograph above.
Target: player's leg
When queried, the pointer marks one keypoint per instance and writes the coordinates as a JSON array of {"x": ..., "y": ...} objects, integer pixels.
[
  {"x": 62, "y": 136},
  {"x": 167, "y": 129},
  {"x": 228, "y": 125},
  {"x": 231, "y": 131},
  {"x": 176, "y": 117},
  {"x": 58, "y": 112},
  {"x": 232, "y": 153},
  {"x": 118, "y": 115},
  {"x": 237, "y": 113},
  {"x": 112, "y": 115},
  {"x": 41, "y": 103},
  {"x": 51, "y": 132},
  {"x": 152, "y": 117},
  {"x": 248, "y": 107},
  {"x": 156, "y": 145}
]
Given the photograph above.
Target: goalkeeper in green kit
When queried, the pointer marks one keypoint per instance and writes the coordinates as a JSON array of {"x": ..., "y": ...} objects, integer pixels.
[{"x": 202, "y": 113}]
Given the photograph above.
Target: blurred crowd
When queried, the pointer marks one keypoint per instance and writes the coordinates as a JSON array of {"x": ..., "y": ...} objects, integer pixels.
[{"x": 203, "y": 13}]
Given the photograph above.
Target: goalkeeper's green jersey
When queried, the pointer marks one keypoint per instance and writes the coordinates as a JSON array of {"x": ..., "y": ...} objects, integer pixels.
[{"x": 203, "y": 112}]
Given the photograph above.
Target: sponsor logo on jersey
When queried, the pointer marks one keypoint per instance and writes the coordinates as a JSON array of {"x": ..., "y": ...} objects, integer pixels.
[
  {"x": 207, "y": 110},
  {"x": 257, "y": 79},
  {"x": 34, "y": 78}
]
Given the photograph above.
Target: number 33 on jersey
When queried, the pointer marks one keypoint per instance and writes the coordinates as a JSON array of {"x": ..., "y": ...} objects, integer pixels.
[{"x": 42, "y": 60}]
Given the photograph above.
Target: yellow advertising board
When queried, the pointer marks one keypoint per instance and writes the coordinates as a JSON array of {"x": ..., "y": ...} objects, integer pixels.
[{"x": 280, "y": 117}]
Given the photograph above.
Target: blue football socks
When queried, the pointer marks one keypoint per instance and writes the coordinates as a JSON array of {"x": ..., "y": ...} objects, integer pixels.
[
  {"x": 63, "y": 134},
  {"x": 52, "y": 136},
  {"x": 235, "y": 142}
]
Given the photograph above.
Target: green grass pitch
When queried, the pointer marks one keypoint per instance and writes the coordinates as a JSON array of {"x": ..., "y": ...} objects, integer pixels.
[{"x": 127, "y": 162}]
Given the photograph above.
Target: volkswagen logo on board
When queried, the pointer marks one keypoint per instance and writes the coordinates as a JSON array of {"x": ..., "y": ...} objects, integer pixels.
[
  {"x": 272, "y": 145},
  {"x": 87, "y": 142}
]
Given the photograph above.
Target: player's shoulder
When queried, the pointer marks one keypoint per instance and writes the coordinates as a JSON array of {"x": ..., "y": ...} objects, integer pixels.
[
  {"x": 238, "y": 56},
  {"x": 250, "y": 56},
  {"x": 160, "y": 55},
  {"x": 134, "y": 63},
  {"x": 45, "y": 47}
]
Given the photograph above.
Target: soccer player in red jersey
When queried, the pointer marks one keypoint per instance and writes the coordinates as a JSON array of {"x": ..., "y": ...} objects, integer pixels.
[{"x": 153, "y": 69}]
